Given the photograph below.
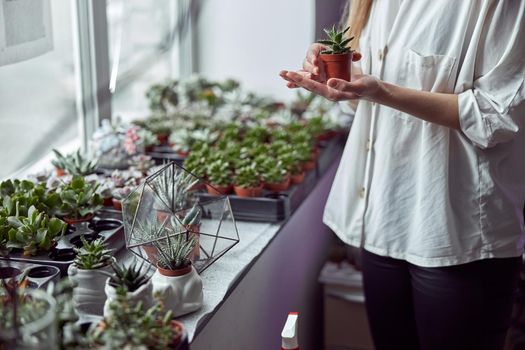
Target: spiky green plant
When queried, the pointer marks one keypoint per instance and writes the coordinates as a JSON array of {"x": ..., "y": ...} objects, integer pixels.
[
  {"x": 174, "y": 252},
  {"x": 131, "y": 277},
  {"x": 336, "y": 41},
  {"x": 192, "y": 217},
  {"x": 173, "y": 186},
  {"x": 75, "y": 163},
  {"x": 93, "y": 255}
]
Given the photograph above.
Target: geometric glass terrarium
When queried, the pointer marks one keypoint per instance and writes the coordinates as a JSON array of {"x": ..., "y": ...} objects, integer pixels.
[{"x": 166, "y": 205}]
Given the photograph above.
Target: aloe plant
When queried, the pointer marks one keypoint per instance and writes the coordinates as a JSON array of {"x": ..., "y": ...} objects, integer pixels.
[
  {"x": 79, "y": 198},
  {"x": 92, "y": 255},
  {"x": 336, "y": 41},
  {"x": 172, "y": 187},
  {"x": 131, "y": 277},
  {"x": 35, "y": 232},
  {"x": 175, "y": 252},
  {"x": 75, "y": 163},
  {"x": 192, "y": 217}
]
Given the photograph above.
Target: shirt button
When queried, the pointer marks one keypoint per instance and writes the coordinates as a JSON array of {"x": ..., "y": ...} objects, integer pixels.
[
  {"x": 362, "y": 193},
  {"x": 368, "y": 145},
  {"x": 380, "y": 54}
]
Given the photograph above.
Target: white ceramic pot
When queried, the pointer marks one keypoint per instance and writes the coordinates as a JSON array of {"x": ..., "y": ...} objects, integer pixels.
[
  {"x": 182, "y": 294},
  {"x": 88, "y": 295},
  {"x": 144, "y": 294}
]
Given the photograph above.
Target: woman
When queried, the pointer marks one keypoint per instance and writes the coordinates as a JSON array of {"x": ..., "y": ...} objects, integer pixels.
[{"x": 432, "y": 181}]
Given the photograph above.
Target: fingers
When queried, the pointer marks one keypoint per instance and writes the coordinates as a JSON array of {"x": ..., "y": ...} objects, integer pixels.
[
  {"x": 318, "y": 88},
  {"x": 311, "y": 62},
  {"x": 310, "y": 67},
  {"x": 355, "y": 88}
]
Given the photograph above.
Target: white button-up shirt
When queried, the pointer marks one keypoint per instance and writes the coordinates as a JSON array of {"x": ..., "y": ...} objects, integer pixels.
[{"x": 418, "y": 191}]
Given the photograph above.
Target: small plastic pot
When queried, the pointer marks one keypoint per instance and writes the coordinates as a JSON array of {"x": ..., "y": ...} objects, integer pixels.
[
  {"x": 307, "y": 166},
  {"x": 117, "y": 204},
  {"x": 163, "y": 138},
  {"x": 216, "y": 190},
  {"x": 280, "y": 186},
  {"x": 244, "y": 192},
  {"x": 337, "y": 66},
  {"x": 108, "y": 202},
  {"x": 297, "y": 179}
]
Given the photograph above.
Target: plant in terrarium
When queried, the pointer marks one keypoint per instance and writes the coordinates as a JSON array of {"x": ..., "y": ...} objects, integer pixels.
[
  {"x": 80, "y": 199},
  {"x": 75, "y": 163},
  {"x": 173, "y": 187},
  {"x": 338, "y": 54},
  {"x": 174, "y": 253},
  {"x": 93, "y": 255},
  {"x": 34, "y": 233}
]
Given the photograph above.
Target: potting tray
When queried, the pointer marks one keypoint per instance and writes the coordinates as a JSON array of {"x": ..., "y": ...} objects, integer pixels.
[
  {"x": 165, "y": 154},
  {"x": 275, "y": 207},
  {"x": 38, "y": 275},
  {"x": 104, "y": 225}
]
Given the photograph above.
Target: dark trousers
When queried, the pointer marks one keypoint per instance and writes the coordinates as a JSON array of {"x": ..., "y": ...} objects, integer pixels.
[{"x": 444, "y": 308}]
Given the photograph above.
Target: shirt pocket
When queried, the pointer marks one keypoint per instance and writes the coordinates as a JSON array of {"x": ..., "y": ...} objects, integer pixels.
[{"x": 427, "y": 73}]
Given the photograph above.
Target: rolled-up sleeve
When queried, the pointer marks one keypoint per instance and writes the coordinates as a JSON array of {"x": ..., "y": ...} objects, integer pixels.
[{"x": 492, "y": 111}]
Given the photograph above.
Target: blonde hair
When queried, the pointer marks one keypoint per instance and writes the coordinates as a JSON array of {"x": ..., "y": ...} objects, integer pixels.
[{"x": 356, "y": 16}]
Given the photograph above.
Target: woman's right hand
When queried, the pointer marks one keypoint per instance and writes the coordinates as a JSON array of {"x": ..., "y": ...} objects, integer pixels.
[{"x": 312, "y": 69}]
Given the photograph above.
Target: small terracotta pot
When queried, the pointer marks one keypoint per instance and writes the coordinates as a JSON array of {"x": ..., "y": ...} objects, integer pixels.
[
  {"x": 59, "y": 172},
  {"x": 149, "y": 148},
  {"x": 315, "y": 154},
  {"x": 108, "y": 202},
  {"x": 151, "y": 253},
  {"x": 183, "y": 154},
  {"x": 73, "y": 221},
  {"x": 173, "y": 273},
  {"x": 278, "y": 187},
  {"x": 297, "y": 178},
  {"x": 248, "y": 192},
  {"x": 216, "y": 190},
  {"x": 337, "y": 66},
  {"x": 162, "y": 215},
  {"x": 307, "y": 166},
  {"x": 117, "y": 204},
  {"x": 163, "y": 138}
]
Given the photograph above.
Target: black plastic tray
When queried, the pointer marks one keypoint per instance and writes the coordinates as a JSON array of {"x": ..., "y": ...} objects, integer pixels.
[
  {"x": 38, "y": 275},
  {"x": 104, "y": 225}
]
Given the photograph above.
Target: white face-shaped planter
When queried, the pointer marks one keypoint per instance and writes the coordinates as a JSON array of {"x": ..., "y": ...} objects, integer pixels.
[
  {"x": 143, "y": 293},
  {"x": 88, "y": 295},
  {"x": 180, "y": 290}
]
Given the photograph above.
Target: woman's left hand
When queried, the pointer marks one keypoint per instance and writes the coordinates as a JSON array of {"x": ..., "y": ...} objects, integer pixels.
[{"x": 361, "y": 87}]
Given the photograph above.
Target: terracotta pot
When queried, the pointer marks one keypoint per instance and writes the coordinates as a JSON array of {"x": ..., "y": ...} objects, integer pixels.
[
  {"x": 59, "y": 172},
  {"x": 73, "y": 221},
  {"x": 151, "y": 253},
  {"x": 307, "y": 166},
  {"x": 108, "y": 202},
  {"x": 173, "y": 273},
  {"x": 117, "y": 204},
  {"x": 216, "y": 190},
  {"x": 297, "y": 178},
  {"x": 278, "y": 187},
  {"x": 183, "y": 154},
  {"x": 315, "y": 154},
  {"x": 162, "y": 215},
  {"x": 337, "y": 66},
  {"x": 248, "y": 192},
  {"x": 162, "y": 138},
  {"x": 178, "y": 329}
]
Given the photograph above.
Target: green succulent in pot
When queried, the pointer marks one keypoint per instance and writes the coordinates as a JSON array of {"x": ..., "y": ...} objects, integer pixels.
[
  {"x": 34, "y": 233},
  {"x": 273, "y": 171},
  {"x": 80, "y": 199},
  {"x": 336, "y": 41},
  {"x": 219, "y": 173},
  {"x": 247, "y": 177},
  {"x": 93, "y": 255},
  {"x": 22, "y": 194},
  {"x": 75, "y": 163},
  {"x": 338, "y": 55},
  {"x": 175, "y": 253},
  {"x": 131, "y": 277}
]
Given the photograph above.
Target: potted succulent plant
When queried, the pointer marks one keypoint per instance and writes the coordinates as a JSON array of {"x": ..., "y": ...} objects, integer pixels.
[
  {"x": 247, "y": 182},
  {"x": 219, "y": 177},
  {"x": 74, "y": 164},
  {"x": 176, "y": 280},
  {"x": 275, "y": 175},
  {"x": 134, "y": 279},
  {"x": 33, "y": 233},
  {"x": 119, "y": 194},
  {"x": 338, "y": 55},
  {"x": 80, "y": 200},
  {"x": 92, "y": 258},
  {"x": 134, "y": 326}
]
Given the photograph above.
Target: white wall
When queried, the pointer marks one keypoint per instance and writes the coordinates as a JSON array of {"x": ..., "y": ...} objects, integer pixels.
[{"x": 252, "y": 40}]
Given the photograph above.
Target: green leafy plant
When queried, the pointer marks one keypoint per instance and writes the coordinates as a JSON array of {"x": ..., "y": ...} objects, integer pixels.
[
  {"x": 162, "y": 96},
  {"x": 219, "y": 173},
  {"x": 247, "y": 177},
  {"x": 336, "y": 41},
  {"x": 174, "y": 252},
  {"x": 22, "y": 194},
  {"x": 75, "y": 163},
  {"x": 92, "y": 255},
  {"x": 35, "y": 232},
  {"x": 130, "y": 326},
  {"x": 131, "y": 277},
  {"x": 273, "y": 171},
  {"x": 79, "y": 198}
]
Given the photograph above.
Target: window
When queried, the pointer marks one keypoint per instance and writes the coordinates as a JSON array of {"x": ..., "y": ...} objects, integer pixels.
[
  {"x": 142, "y": 49},
  {"x": 37, "y": 99}
]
